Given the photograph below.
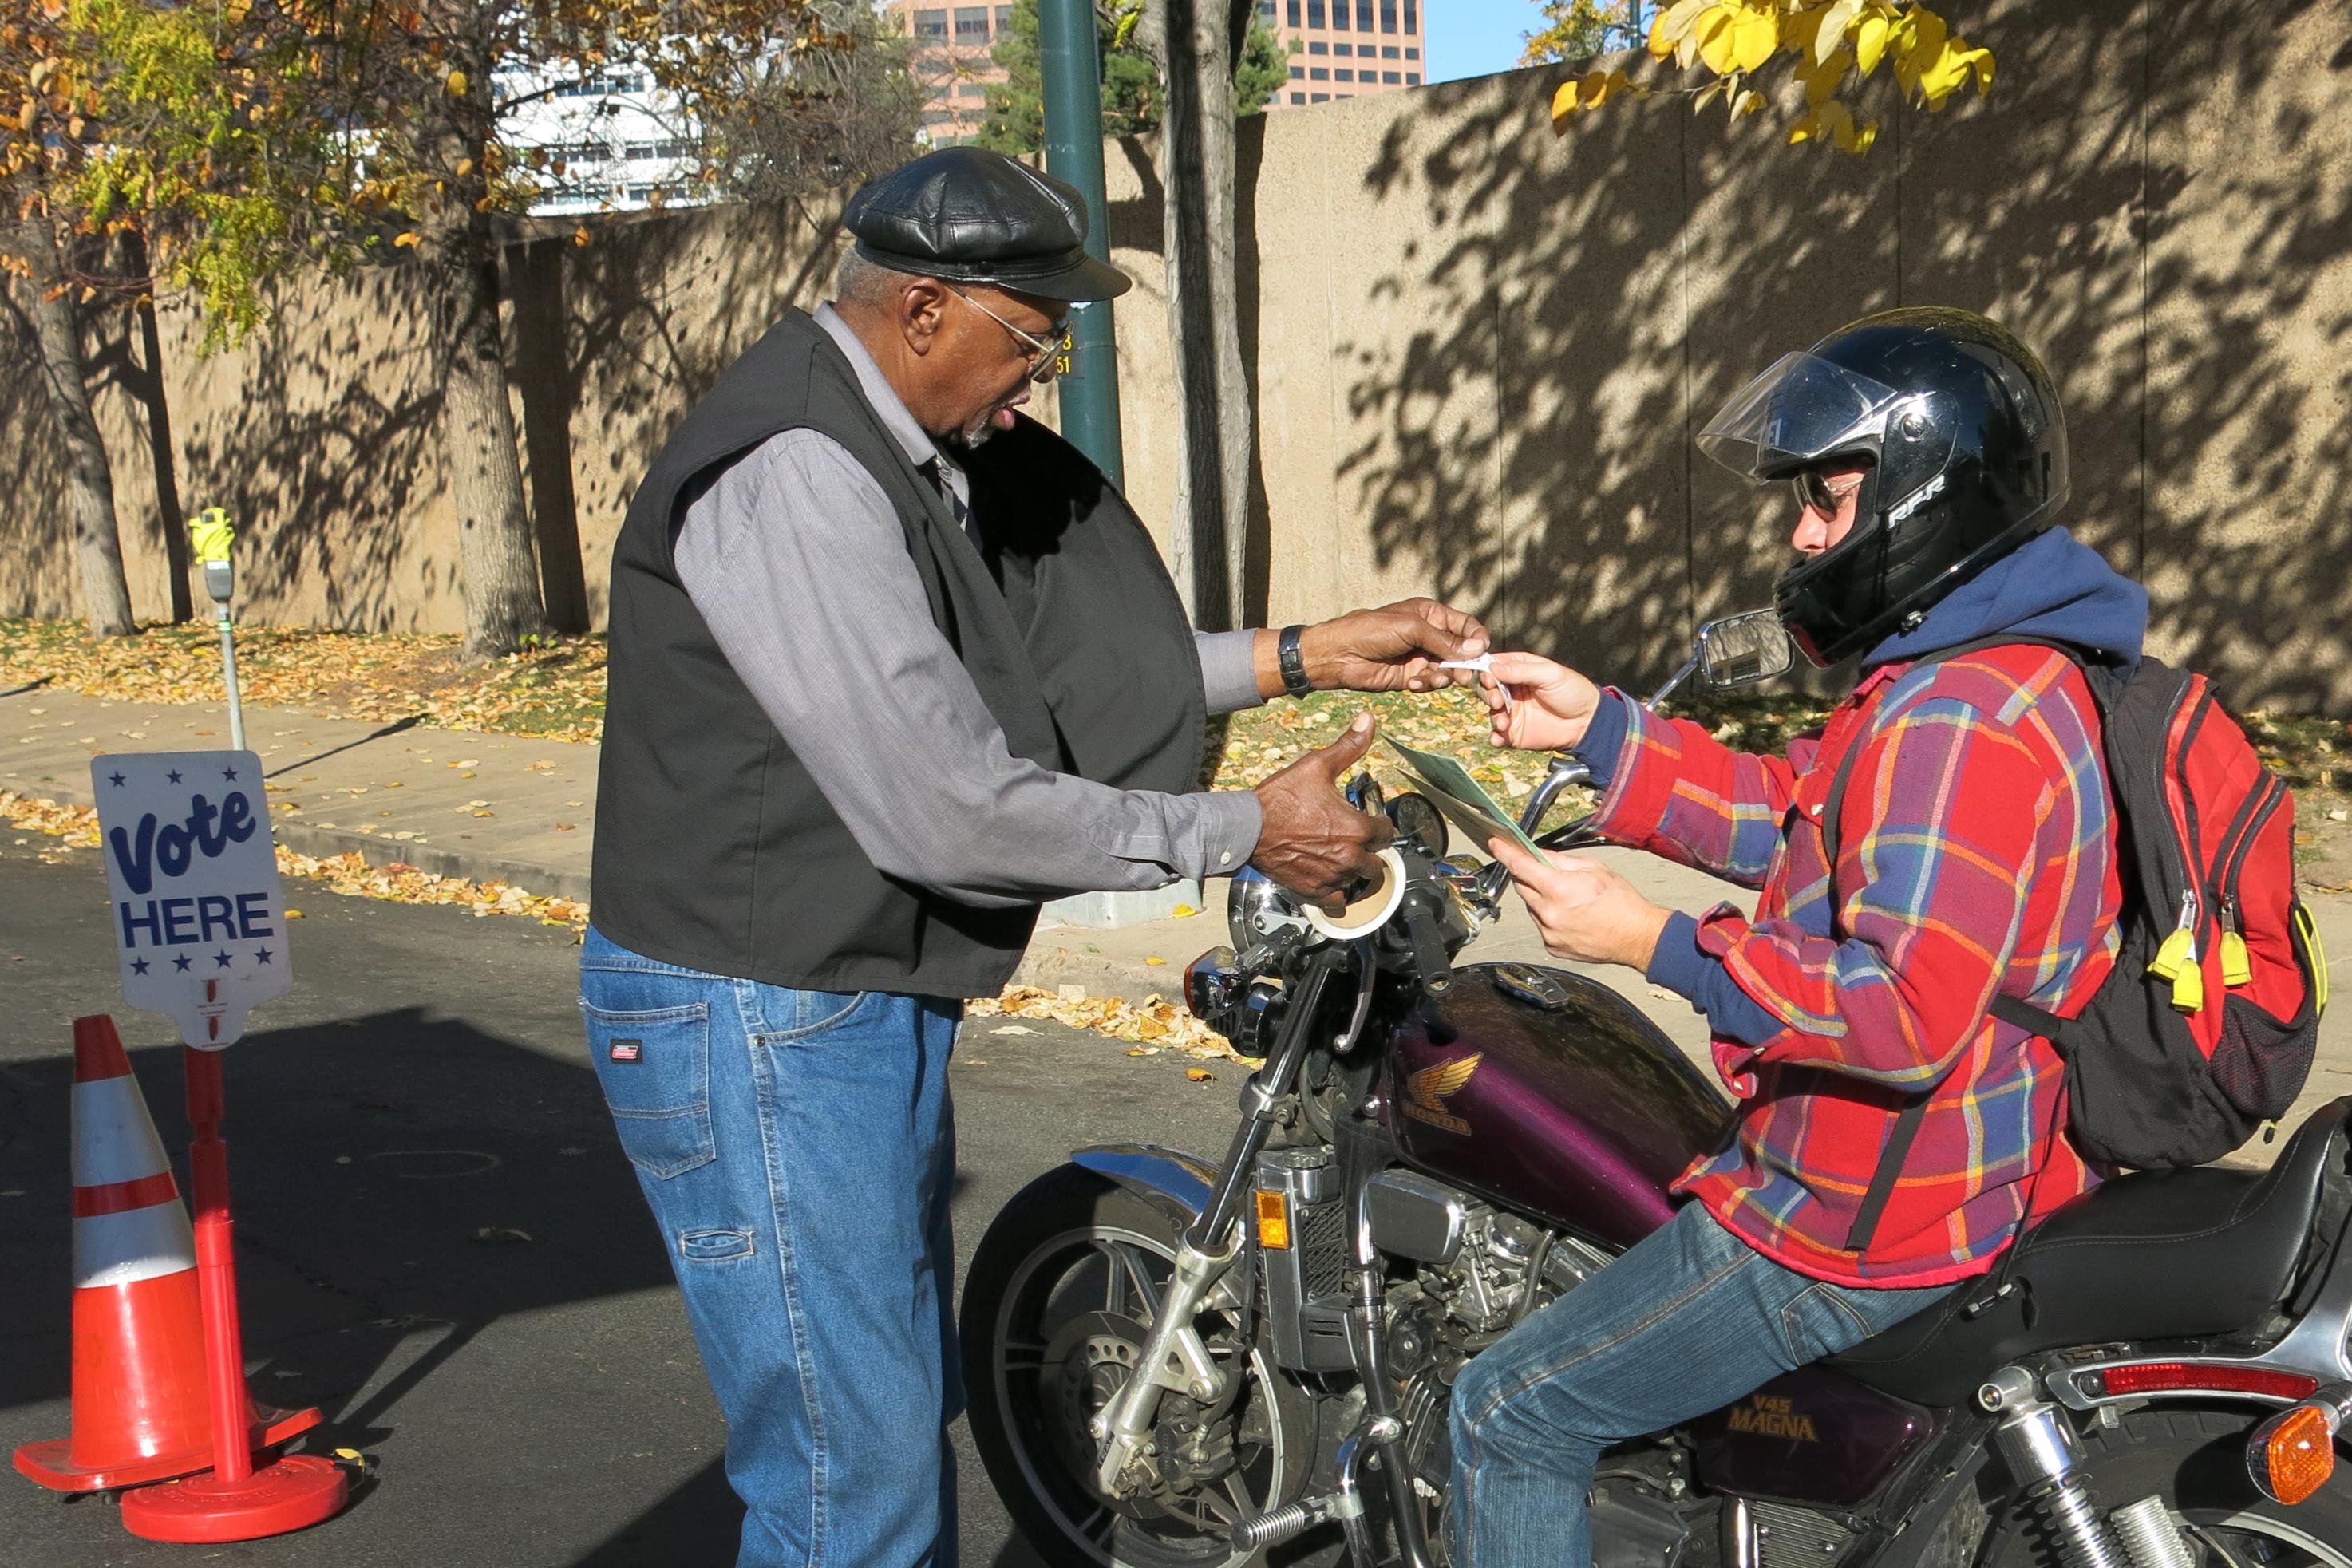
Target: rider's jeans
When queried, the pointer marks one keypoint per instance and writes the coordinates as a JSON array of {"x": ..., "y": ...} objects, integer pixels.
[
  {"x": 798, "y": 1150},
  {"x": 1689, "y": 1320}
]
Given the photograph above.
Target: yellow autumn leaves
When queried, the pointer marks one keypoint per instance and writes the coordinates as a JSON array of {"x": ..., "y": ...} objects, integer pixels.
[{"x": 1828, "y": 43}]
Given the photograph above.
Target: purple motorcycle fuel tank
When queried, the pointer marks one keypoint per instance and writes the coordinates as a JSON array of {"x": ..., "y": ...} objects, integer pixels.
[{"x": 1550, "y": 1093}]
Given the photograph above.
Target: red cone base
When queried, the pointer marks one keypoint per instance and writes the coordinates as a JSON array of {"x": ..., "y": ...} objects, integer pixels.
[
  {"x": 52, "y": 1465},
  {"x": 297, "y": 1491}
]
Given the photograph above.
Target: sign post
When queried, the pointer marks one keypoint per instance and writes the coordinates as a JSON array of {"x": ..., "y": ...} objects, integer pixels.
[{"x": 200, "y": 936}]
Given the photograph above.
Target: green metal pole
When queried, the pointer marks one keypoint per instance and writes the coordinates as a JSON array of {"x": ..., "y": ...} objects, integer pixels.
[{"x": 1072, "y": 68}]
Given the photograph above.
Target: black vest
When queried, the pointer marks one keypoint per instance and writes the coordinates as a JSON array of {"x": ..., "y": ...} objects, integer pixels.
[{"x": 715, "y": 850}]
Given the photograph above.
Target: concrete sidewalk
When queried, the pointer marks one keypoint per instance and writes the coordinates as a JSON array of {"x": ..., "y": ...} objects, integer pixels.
[{"x": 501, "y": 808}]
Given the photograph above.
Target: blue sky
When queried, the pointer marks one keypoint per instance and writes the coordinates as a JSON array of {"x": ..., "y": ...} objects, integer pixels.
[{"x": 1475, "y": 38}]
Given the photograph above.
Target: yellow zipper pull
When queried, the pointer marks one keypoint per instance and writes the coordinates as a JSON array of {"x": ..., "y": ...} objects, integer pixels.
[
  {"x": 2178, "y": 952},
  {"x": 2237, "y": 964},
  {"x": 2188, "y": 989}
]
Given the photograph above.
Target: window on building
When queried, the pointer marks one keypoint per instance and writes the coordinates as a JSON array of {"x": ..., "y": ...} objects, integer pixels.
[
  {"x": 1265, "y": 12},
  {"x": 1319, "y": 48},
  {"x": 1412, "y": 16},
  {"x": 1411, "y": 53},
  {"x": 1413, "y": 79},
  {"x": 1295, "y": 8},
  {"x": 1343, "y": 48},
  {"x": 1339, "y": 14},
  {"x": 938, "y": 116},
  {"x": 1319, "y": 74},
  {"x": 1322, "y": 98},
  {"x": 931, "y": 24},
  {"x": 971, "y": 90},
  {"x": 1363, "y": 15},
  {"x": 972, "y": 23},
  {"x": 1388, "y": 16},
  {"x": 1388, "y": 51},
  {"x": 1298, "y": 73},
  {"x": 1313, "y": 13},
  {"x": 1388, "y": 77},
  {"x": 1004, "y": 18},
  {"x": 1343, "y": 74},
  {"x": 1298, "y": 97}
]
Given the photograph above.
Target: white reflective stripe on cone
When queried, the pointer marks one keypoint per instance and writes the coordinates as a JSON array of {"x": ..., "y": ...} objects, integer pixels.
[
  {"x": 113, "y": 1137},
  {"x": 140, "y": 1244}
]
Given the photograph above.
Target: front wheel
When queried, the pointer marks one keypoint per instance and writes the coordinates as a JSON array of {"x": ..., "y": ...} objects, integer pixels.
[
  {"x": 2196, "y": 1460},
  {"x": 1063, "y": 1289}
]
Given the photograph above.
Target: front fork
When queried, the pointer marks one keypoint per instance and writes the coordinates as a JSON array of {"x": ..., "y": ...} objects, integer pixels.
[{"x": 1174, "y": 1357}]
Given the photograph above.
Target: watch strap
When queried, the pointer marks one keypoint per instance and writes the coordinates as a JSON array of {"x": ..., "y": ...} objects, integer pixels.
[{"x": 1293, "y": 661}]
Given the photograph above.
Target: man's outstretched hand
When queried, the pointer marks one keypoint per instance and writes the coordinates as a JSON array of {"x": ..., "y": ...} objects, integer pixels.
[
  {"x": 1314, "y": 843},
  {"x": 1394, "y": 648}
]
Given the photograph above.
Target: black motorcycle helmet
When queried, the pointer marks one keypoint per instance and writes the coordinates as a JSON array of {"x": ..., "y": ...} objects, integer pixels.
[{"x": 1959, "y": 430}]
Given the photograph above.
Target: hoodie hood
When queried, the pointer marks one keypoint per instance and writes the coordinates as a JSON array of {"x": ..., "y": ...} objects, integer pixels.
[{"x": 2053, "y": 587}]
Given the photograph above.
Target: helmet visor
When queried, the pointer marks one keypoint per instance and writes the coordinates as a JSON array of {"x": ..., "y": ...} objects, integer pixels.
[{"x": 1799, "y": 412}]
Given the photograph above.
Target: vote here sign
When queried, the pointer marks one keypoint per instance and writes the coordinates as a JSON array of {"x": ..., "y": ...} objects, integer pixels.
[{"x": 199, "y": 921}]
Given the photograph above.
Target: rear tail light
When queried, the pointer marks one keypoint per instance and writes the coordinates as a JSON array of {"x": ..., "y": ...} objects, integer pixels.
[
  {"x": 2180, "y": 1376},
  {"x": 2291, "y": 1455}
]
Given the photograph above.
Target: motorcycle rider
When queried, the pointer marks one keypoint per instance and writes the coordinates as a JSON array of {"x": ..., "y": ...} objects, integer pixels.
[{"x": 1891, "y": 1139}]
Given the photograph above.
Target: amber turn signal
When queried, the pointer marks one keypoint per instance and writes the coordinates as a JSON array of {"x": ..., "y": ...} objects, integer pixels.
[
  {"x": 1274, "y": 1222},
  {"x": 2291, "y": 1455}
]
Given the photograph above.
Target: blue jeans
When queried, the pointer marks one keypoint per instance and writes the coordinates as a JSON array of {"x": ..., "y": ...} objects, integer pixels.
[
  {"x": 798, "y": 1150},
  {"x": 1690, "y": 1319}
]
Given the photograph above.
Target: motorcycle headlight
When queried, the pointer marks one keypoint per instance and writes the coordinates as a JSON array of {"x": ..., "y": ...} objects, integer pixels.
[{"x": 1256, "y": 907}]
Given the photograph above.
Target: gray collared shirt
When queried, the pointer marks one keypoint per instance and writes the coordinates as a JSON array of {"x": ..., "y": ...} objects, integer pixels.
[{"x": 797, "y": 562}]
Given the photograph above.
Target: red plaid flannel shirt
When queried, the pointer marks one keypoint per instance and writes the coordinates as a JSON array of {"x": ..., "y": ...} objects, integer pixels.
[{"x": 1976, "y": 855}]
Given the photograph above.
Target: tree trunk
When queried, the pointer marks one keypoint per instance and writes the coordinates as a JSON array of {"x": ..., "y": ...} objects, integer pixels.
[
  {"x": 89, "y": 480},
  {"x": 496, "y": 562},
  {"x": 1192, "y": 41}
]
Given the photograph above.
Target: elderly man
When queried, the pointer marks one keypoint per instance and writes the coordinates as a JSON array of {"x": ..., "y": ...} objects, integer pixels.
[{"x": 892, "y": 664}]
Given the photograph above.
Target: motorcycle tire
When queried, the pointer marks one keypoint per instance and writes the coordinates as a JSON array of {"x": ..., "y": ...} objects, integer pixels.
[
  {"x": 2196, "y": 1458},
  {"x": 1011, "y": 1386}
]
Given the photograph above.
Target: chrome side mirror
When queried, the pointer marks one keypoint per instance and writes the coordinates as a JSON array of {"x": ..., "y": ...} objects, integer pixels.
[{"x": 1740, "y": 649}]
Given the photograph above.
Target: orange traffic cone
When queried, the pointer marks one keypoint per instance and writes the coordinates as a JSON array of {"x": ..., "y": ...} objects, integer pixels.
[{"x": 140, "y": 1407}]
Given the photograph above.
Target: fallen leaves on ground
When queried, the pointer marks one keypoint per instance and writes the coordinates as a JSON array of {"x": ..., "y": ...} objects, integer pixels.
[
  {"x": 556, "y": 690},
  {"x": 1152, "y": 1026}
]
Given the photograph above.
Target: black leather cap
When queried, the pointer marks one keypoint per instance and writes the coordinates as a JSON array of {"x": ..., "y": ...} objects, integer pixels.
[{"x": 969, "y": 215}]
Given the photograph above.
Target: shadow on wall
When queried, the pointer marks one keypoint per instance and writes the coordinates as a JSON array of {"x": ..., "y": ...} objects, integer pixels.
[{"x": 2159, "y": 196}]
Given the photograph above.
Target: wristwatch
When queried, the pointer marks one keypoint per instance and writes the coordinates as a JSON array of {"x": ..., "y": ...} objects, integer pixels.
[{"x": 1293, "y": 661}]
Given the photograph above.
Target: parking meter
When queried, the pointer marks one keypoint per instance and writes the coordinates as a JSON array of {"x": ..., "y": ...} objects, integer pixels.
[{"x": 210, "y": 533}]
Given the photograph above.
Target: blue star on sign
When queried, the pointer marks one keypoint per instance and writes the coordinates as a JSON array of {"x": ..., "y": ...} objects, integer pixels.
[
  {"x": 181, "y": 962},
  {"x": 172, "y": 776},
  {"x": 261, "y": 956},
  {"x": 116, "y": 780},
  {"x": 138, "y": 966},
  {"x": 222, "y": 959},
  {"x": 229, "y": 774}
]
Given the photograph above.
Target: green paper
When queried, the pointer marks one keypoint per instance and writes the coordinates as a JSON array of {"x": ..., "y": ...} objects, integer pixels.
[{"x": 1462, "y": 799}]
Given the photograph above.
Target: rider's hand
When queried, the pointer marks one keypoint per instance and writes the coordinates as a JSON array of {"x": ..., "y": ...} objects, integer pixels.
[
  {"x": 1314, "y": 843},
  {"x": 1586, "y": 912},
  {"x": 1537, "y": 703},
  {"x": 1392, "y": 649}
]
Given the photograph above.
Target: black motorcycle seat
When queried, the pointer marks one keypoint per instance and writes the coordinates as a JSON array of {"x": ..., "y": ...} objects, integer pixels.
[{"x": 2153, "y": 1255}]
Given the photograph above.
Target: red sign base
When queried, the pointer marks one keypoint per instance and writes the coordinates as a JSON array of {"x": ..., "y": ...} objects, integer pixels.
[{"x": 295, "y": 1492}]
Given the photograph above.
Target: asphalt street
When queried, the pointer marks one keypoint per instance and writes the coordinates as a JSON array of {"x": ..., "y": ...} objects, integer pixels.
[{"x": 528, "y": 1402}]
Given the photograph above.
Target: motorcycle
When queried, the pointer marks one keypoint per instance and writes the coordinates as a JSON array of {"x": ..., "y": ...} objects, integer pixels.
[{"x": 1176, "y": 1364}]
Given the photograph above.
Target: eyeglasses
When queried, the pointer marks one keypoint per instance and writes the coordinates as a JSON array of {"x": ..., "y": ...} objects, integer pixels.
[
  {"x": 1041, "y": 350},
  {"x": 1815, "y": 493}
]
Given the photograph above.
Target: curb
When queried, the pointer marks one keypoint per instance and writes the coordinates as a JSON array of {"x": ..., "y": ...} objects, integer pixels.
[{"x": 319, "y": 842}]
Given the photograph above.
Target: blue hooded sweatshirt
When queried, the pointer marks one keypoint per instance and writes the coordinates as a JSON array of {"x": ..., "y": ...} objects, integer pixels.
[{"x": 2053, "y": 587}]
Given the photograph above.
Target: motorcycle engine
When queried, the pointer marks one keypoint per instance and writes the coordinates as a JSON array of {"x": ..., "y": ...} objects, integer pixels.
[{"x": 1506, "y": 1269}]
